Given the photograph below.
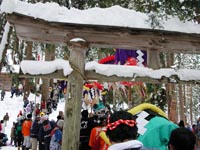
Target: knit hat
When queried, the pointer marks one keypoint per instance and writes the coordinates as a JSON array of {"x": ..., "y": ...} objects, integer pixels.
[
  {"x": 60, "y": 123},
  {"x": 29, "y": 116},
  {"x": 42, "y": 114}
]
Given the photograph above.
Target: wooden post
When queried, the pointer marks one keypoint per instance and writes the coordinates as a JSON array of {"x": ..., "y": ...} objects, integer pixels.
[
  {"x": 72, "y": 113},
  {"x": 172, "y": 103},
  {"x": 28, "y": 57},
  {"x": 181, "y": 103},
  {"x": 153, "y": 60},
  {"x": 191, "y": 103}
]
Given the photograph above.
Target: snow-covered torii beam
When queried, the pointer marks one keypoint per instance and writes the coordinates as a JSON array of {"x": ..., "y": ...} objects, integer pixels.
[
  {"x": 101, "y": 36},
  {"x": 60, "y": 68},
  {"x": 31, "y": 27},
  {"x": 118, "y": 28}
]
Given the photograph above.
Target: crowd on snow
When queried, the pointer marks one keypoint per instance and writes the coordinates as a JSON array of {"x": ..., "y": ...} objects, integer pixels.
[
  {"x": 34, "y": 130},
  {"x": 120, "y": 127}
]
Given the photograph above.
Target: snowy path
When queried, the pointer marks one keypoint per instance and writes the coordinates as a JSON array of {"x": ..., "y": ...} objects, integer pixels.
[{"x": 13, "y": 106}]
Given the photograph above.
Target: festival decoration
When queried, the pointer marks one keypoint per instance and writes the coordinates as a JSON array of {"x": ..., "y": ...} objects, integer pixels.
[
  {"x": 151, "y": 122},
  {"x": 130, "y": 58},
  {"x": 92, "y": 96}
]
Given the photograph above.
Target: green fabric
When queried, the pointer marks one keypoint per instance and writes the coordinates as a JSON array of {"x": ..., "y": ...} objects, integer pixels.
[
  {"x": 18, "y": 130},
  {"x": 157, "y": 134}
]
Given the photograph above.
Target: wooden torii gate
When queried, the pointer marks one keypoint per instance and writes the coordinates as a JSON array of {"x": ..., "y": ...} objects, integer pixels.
[{"x": 154, "y": 41}]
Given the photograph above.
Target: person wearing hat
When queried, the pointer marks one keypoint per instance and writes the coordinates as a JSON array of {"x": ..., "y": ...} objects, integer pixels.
[
  {"x": 56, "y": 136},
  {"x": 35, "y": 132},
  {"x": 45, "y": 131},
  {"x": 26, "y": 128}
]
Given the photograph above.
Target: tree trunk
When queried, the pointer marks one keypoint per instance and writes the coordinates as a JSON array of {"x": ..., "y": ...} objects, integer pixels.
[
  {"x": 49, "y": 55},
  {"x": 185, "y": 103},
  {"x": 181, "y": 103},
  {"x": 72, "y": 114},
  {"x": 191, "y": 103},
  {"x": 171, "y": 100},
  {"x": 28, "y": 57},
  {"x": 153, "y": 59},
  {"x": 172, "y": 103},
  {"x": 6, "y": 47}
]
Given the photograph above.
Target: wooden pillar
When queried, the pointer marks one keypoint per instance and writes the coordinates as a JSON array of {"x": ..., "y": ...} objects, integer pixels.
[
  {"x": 153, "y": 60},
  {"x": 28, "y": 57},
  {"x": 181, "y": 103},
  {"x": 191, "y": 103},
  {"x": 49, "y": 55},
  {"x": 172, "y": 103},
  {"x": 72, "y": 113}
]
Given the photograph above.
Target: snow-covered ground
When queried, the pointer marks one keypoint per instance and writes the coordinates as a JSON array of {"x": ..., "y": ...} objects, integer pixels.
[{"x": 12, "y": 106}]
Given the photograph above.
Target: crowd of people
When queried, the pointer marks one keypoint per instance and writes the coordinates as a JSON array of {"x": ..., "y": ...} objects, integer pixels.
[
  {"x": 34, "y": 133},
  {"x": 100, "y": 130},
  {"x": 120, "y": 131}
]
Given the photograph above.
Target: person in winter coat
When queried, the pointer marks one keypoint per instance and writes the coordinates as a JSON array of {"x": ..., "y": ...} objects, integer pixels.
[
  {"x": 95, "y": 141},
  {"x": 19, "y": 114},
  {"x": 35, "y": 132},
  {"x": 3, "y": 93},
  {"x": 6, "y": 119},
  {"x": 18, "y": 132},
  {"x": 122, "y": 131},
  {"x": 56, "y": 136},
  {"x": 43, "y": 106},
  {"x": 45, "y": 131},
  {"x": 26, "y": 128},
  {"x": 13, "y": 90},
  {"x": 86, "y": 126},
  {"x": 3, "y": 139},
  {"x": 20, "y": 90},
  {"x": 36, "y": 110},
  {"x": 12, "y": 135}
]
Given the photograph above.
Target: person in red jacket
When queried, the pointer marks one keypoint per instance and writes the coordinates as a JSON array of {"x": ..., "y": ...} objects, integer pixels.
[
  {"x": 26, "y": 128},
  {"x": 43, "y": 106},
  {"x": 95, "y": 141}
]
